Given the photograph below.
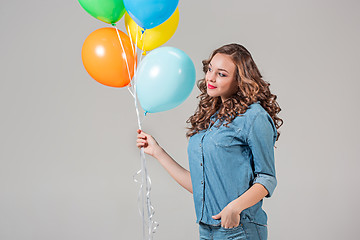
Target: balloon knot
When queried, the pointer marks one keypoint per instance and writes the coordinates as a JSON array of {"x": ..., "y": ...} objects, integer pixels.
[
  {"x": 145, "y": 113},
  {"x": 142, "y": 31},
  {"x": 144, "y": 53},
  {"x": 113, "y": 24}
]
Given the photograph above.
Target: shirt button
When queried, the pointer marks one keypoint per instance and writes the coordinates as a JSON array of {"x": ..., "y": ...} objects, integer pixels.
[
  {"x": 202, "y": 182},
  {"x": 200, "y": 164},
  {"x": 200, "y": 144}
]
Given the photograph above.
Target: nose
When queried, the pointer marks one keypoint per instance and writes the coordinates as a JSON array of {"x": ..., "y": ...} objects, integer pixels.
[{"x": 210, "y": 76}]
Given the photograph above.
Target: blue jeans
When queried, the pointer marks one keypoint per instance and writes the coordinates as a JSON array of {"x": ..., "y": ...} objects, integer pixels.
[{"x": 246, "y": 230}]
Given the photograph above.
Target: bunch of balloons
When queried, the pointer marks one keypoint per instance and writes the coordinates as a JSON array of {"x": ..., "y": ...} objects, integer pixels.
[{"x": 165, "y": 77}]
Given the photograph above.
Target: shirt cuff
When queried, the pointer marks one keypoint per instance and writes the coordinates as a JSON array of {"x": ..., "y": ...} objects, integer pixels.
[{"x": 269, "y": 182}]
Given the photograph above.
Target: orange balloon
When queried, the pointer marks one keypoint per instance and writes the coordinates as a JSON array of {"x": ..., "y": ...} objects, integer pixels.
[{"x": 105, "y": 60}]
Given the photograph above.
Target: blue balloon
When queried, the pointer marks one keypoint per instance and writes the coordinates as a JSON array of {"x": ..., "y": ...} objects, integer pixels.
[
  {"x": 164, "y": 79},
  {"x": 150, "y": 13}
]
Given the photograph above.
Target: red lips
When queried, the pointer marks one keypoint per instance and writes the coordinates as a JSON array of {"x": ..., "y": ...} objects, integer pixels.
[{"x": 211, "y": 86}]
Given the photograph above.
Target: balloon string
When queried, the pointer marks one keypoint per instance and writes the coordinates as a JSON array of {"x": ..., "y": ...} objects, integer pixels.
[
  {"x": 145, "y": 188},
  {"x": 145, "y": 185},
  {"x": 142, "y": 37},
  {"x": 134, "y": 49},
  {"x": 131, "y": 92},
  {"x": 124, "y": 53},
  {"x": 135, "y": 55},
  {"x": 143, "y": 34},
  {"x": 132, "y": 46}
]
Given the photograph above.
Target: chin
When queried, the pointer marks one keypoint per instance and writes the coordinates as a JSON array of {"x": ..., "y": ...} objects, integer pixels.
[{"x": 212, "y": 95}]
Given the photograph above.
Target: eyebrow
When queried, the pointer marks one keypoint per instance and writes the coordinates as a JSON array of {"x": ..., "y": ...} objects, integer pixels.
[{"x": 221, "y": 69}]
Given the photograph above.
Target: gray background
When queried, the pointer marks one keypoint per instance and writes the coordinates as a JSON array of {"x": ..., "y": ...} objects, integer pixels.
[{"x": 68, "y": 143}]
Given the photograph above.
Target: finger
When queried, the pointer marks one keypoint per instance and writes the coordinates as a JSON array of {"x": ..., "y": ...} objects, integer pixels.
[
  {"x": 217, "y": 216},
  {"x": 140, "y": 145},
  {"x": 142, "y": 142},
  {"x": 225, "y": 224},
  {"x": 141, "y": 136},
  {"x": 142, "y": 132}
]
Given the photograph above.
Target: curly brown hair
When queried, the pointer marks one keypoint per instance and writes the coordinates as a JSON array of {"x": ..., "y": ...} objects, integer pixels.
[{"x": 251, "y": 88}]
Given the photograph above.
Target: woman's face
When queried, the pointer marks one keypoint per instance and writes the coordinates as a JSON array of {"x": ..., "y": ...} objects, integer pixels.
[{"x": 220, "y": 77}]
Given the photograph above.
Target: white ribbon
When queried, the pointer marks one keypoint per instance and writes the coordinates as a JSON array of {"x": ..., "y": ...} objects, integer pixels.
[{"x": 145, "y": 208}]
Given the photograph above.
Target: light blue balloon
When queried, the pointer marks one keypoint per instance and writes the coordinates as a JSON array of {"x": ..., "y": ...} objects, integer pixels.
[
  {"x": 150, "y": 13},
  {"x": 164, "y": 79}
]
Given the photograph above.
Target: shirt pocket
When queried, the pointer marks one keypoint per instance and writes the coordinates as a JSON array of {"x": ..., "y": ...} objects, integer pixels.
[{"x": 224, "y": 136}]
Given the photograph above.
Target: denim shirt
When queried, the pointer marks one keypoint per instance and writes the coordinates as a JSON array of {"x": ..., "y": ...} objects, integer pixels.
[{"x": 225, "y": 162}]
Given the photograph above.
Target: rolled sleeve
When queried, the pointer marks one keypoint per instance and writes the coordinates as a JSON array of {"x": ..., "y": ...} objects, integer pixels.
[
  {"x": 261, "y": 140},
  {"x": 269, "y": 182}
]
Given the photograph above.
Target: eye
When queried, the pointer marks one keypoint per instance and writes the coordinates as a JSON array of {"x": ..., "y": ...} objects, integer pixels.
[
  {"x": 222, "y": 75},
  {"x": 209, "y": 69}
]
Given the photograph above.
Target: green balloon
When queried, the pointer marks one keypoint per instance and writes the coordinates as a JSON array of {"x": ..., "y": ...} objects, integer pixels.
[{"x": 109, "y": 11}]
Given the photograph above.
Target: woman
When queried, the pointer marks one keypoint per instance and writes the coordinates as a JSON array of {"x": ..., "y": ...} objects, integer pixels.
[{"x": 231, "y": 147}]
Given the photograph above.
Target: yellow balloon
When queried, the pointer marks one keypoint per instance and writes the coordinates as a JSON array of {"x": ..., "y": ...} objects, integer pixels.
[{"x": 154, "y": 37}]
